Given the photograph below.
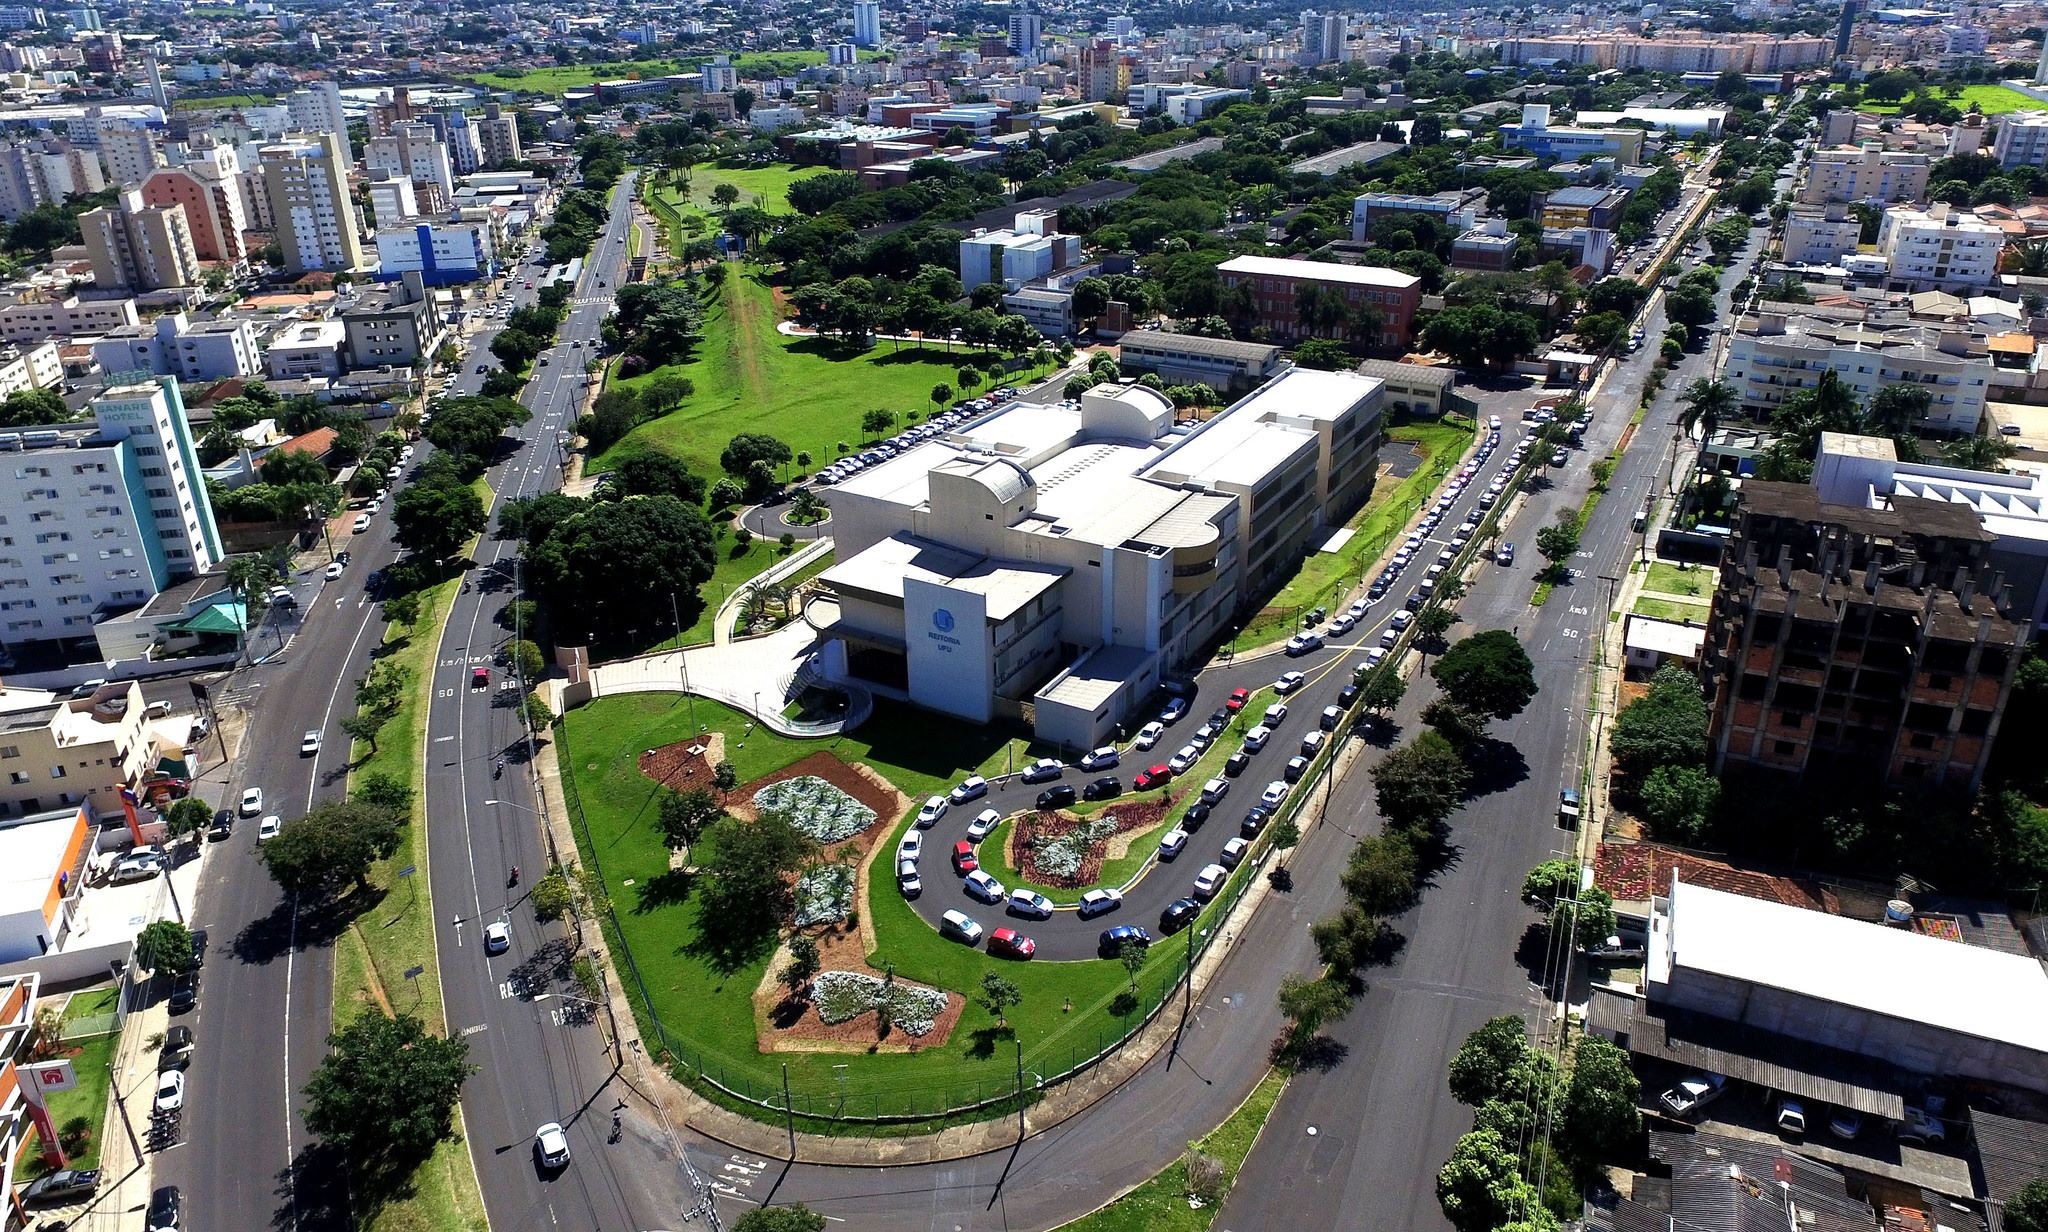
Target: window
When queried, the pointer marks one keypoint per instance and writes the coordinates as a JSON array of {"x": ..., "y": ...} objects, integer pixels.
[{"x": 1784, "y": 748}]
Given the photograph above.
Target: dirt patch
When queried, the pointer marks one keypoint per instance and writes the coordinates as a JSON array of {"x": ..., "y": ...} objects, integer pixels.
[
  {"x": 785, "y": 1025},
  {"x": 1627, "y": 434},
  {"x": 686, "y": 764},
  {"x": 1130, "y": 818}
]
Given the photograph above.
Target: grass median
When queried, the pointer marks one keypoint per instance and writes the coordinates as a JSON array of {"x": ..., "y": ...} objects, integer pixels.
[{"x": 1161, "y": 1204}]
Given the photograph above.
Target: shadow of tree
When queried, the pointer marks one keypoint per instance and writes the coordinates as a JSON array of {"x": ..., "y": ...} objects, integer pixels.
[
  {"x": 1319, "y": 1053},
  {"x": 788, "y": 1012},
  {"x": 668, "y": 889},
  {"x": 982, "y": 1043},
  {"x": 271, "y": 937},
  {"x": 1497, "y": 766}
]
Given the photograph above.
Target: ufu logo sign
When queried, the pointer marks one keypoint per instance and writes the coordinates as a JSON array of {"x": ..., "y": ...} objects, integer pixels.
[{"x": 942, "y": 626}]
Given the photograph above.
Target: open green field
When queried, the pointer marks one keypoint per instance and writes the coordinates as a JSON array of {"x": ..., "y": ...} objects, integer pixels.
[
  {"x": 1991, "y": 100},
  {"x": 216, "y": 101},
  {"x": 557, "y": 78},
  {"x": 1161, "y": 1204},
  {"x": 1671, "y": 580},
  {"x": 707, "y": 1010},
  {"x": 809, "y": 392},
  {"x": 1666, "y": 609},
  {"x": 686, "y": 210},
  {"x": 1326, "y": 575},
  {"x": 735, "y": 568}
]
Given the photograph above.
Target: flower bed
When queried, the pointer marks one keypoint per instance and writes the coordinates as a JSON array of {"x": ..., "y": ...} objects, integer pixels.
[
  {"x": 816, "y": 807},
  {"x": 842, "y": 996},
  {"x": 1064, "y": 852},
  {"x": 824, "y": 894}
]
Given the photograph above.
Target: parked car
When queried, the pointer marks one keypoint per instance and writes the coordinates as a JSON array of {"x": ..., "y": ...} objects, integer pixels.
[
  {"x": 61, "y": 1188},
  {"x": 1174, "y": 711},
  {"x": 1846, "y": 1124},
  {"x": 166, "y": 1210},
  {"x": 1504, "y": 554},
  {"x": 1313, "y": 741},
  {"x": 1113, "y": 939},
  {"x": 1791, "y": 1117},
  {"x": 1296, "y": 766},
  {"x": 1043, "y": 770},
  {"x": 1276, "y": 791},
  {"x": 1275, "y": 715},
  {"x": 184, "y": 993},
  {"x": 1921, "y": 1125},
  {"x": 1149, "y": 735},
  {"x": 1061, "y": 796},
  {"x": 1108, "y": 787},
  {"x": 1236, "y": 764},
  {"x": 1186, "y": 756},
  {"x": 1009, "y": 943},
  {"x": 1210, "y": 880},
  {"x": 1304, "y": 643},
  {"x": 1096, "y": 902},
  {"x": 1235, "y": 702},
  {"x": 1256, "y": 738},
  {"x": 1103, "y": 758},
  {"x": 1693, "y": 1092},
  {"x": 1178, "y": 914},
  {"x": 135, "y": 868},
  {"x": 1568, "y": 808},
  {"x": 933, "y": 809},
  {"x": 170, "y": 1090},
  {"x": 1289, "y": 682},
  {"x": 1214, "y": 790},
  {"x": 176, "y": 1050},
  {"x": 1031, "y": 904},
  {"x": 984, "y": 887},
  {"x": 983, "y": 825},
  {"x": 907, "y": 880},
  {"x": 1150, "y": 777},
  {"x": 959, "y": 926},
  {"x": 1173, "y": 843},
  {"x": 973, "y": 787},
  {"x": 963, "y": 858},
  {"x": 252, "y": 801},
  {"x": 1192, "y": 820},
  {"x": 1255, "y": 819}
]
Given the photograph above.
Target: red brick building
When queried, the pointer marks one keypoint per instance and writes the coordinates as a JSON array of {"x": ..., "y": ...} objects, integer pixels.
[{"x": 1293, "y": 299}]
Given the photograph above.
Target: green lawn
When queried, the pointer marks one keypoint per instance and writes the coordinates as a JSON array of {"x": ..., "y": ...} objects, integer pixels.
[
  {"x": 1665, "y": 609},
  {"x": 1672, "y": 580},
  {"x": 1991, "y": 100},
  {"x": 708, "y": 1013},
  {"x": 1326, "y": 575},
  {"x": 766, "y": 188},
  {"x": 87, "y": 1100},
  {"x": 92, "y": 1003},
  {"x": 809, "y": 392},
  {"x": 556, "y": 78},
  {"x": 1161, "y": 1204},
  {"x": 221, "y": 100}
]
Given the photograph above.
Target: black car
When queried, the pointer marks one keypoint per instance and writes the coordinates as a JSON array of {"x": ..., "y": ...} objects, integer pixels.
[
  {"x": 1057, "y": 797},
  {"x": 166, "y": 1210},
  {"x": 1178, "y": 915},
  {"x": 223, "y": 825},
  {"x": 1415, "y": 601},
  {"x": 342, "y": 557},
  {"x": 1112, "y": 941},
  {"x": 185, "y": 993},
  {"x": 1237, "y": 763},
  {"x": 198, "y": 948},
  {"x": 58, "y": 1188},
  {"x": 177, "y": 1049},
  {"x": 1192, "y": 820},
  {"x": 1254, "y": 821},
  {"x": 1295, "y": 768},
  {"x": 1221, "y": 719},
  {"x": 1108, "y": 787},
  {"x": 1378, "y": 589},
  {"x": 1347, "y": 695}
]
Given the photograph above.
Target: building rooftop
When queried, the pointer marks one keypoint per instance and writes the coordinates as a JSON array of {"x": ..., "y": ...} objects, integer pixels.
[
  {"x": 1320, "y": 271},
  {"x": 32, "y": 852},
  {"x": 1891, "y": 972},
  {"x": 1259, "y": 433},
  {"x": 1195, "y": 344},
  {"x": 1391, "y": 371},
  {"x": 883, "y": 569},
  {"x": 1364, "y": 154},
  {"x": 1170, "y": 155},
  {"x": 1096, "y": 677}
]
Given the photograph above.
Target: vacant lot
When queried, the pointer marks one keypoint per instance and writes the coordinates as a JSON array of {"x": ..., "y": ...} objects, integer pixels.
[{"x": 1991, "y": 100}]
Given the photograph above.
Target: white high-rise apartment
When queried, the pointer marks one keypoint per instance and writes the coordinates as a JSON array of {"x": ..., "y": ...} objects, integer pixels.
[
  {"x": 100, "y": 519},
  {"x": 412, "y": 150},
  {"x": 317, "y": 109},
  {"x": 1026, "y": 30},
  {"x": 306, "y": 182},
  {"x": 1941, "y": 249},
  {"x": 867, "y": 23},
  {"x": 135, "y": 246},
  {"x": 1866, "y": 173},
  {"x": 129, "y": 150},
  {"x": 2022, "y": 140}
]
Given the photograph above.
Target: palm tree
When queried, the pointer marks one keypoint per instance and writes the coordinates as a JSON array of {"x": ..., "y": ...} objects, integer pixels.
[
  {"x": 1979, "y": 453},
  {"x": 2031, "y": 259},
  {"x": 1705, "y": 402}
]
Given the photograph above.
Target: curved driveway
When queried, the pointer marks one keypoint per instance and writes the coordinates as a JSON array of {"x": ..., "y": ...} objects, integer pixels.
[{"x": 1068, "y": 936}]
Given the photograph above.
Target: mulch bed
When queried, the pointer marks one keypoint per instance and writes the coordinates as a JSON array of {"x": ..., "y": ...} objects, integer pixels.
[
  {"x": 675, "y": 767},
  {"x": 1130, "y": 816},
  {"x": 783, "y": 1025}
]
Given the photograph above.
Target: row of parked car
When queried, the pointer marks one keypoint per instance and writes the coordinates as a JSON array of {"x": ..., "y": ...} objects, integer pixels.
[
  {"x": 854, "y": 463},
  {"x": 1921, "y": 1125}
]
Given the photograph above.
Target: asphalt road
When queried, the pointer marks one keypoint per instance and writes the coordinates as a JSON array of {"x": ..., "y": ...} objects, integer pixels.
[
  {"x": 1469, "y": 952},
  {"x": 1066, "y": 935}
]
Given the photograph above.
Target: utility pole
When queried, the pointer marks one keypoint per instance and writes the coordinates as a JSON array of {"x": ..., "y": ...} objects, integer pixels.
[
  {"x": 1018, "y": 1040},
  {"x": 788, "y": 1112}
]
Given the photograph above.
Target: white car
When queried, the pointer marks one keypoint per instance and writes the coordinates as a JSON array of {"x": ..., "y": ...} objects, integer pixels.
[
  {"x": 1149, "y": 735},
  {"x": 929, "y": 815},
  {"x": 1095, "y": 902},
  {"x": 362, "y": 523},
  {"x": 912, "y": 846},
  {"x": 1187, "y": 756},
  {"x": 1030, "y": 903},
  {"x": 1234, "y": 851},
  {"x": 1288, "y": 683},
  {"x": 974, "y": 787},
  {"x": 268, "y": 828},
  {"x": 961, "y": 927},
  {"x": 170, "y": 1090},
  {"x": 907, "y": 879},
  {"x": 551, "y": 1146},
  {"x": 333, "y": 571},
  {"x": 1210, "y": 880},
  {"x": 1256, "y": 738},
  {"x": 1100, "y": 759},
  {"x": 310, "y": 744},
  {"x": 979, "y": 828},
  {"x": 252, "y": 801},
  {"x": 1276, "y": 714},
  {"x": 497, "y": 937},
  {"x": 1175, "y": 841},
  {"x": 984, "y": 887},
  {"x": 1044, "y": 770},
  {"x": 1275, "y": 792},
  {"x": 1214, "y": 790}
]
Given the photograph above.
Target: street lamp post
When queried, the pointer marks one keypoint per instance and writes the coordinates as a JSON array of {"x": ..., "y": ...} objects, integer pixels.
[{"x": 324, "y": 535}]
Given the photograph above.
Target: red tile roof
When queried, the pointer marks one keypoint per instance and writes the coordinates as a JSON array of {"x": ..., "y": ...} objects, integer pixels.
[
  {"x": 319, "y": 442},
  {"x": 1635, "y": 872}
]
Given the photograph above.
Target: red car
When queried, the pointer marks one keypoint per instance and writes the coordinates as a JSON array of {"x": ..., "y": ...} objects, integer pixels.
[
  {"x": 1009, "y": 943},
  {"x": 480, "y": 678},
  {"x": 1156, "y": 776},
  {"x": 963, "y": 858},
  {"x": 1238, "y": 697}
]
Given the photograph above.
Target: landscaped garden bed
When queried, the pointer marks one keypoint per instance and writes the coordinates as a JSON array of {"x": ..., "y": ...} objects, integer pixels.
[
  {"x": 816, "y": 807},
  {"x": 824, "y": 894},
  {"x": 1058, "y": 849},
  {"x": 843, "y": 996}
]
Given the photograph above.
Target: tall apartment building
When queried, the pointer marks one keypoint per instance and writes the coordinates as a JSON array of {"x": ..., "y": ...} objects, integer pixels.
[
  {"x": 1026, "y": 31},
  {"x": 97, "y": 520},
  {"x": 1785, "y": 349},
  {"x": 867, "y": 23},
  {"x": 397, "y": 324},
  {"x": 1364, "y": 303},
  {"x": 393, "y": 197},
  {"x": 306, "y": 181},
  {"x": 1940, "y": 249},
  {"x": 206, "y": 185},
  {"x": 103, "y": 54},
  {"x": 1689, "y": 52},
  {"x": 2022, "y": 139},
  {"x": 498, "y": 130},
  {"x": 1104, "y": 72},
  {"x": 129, "y": 150},
  {"x": 465, "y": 146},
  {"x": 135, "y": 246},
  {"x": 414, "y": 151},
  {"x": 390, "y": 112},
  {"x": 1821, "y": 234},
  {"x": 33, "y": 175},
  {"x": 1867, "y": 173},
  {"x": 1322, "y": 37},
  {"x": 317, "y": 109},
  {"x": 1854, "y": 642}
]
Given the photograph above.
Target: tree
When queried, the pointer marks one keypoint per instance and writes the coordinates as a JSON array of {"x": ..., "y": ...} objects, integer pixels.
[
  {"x": 600, "y": 566},
  {"x": 187, "y": 816},
  {"x": 331, "y": 846},
  {"x": 819, "y": 193},
  {"x": 1550, "y": 881},
  {"x": 745, "y": 882},
  {"x": 32, "y": 407},
  {"x": 164, "y": 947},
  {"x": 1558, "y": 543},
  {"x": 1421, "y": 783},
  {"x": 724, "y": 777},
  {"x": 997, "y": 995},
  {"x": 1091, "y": 298},
  {"x": 685, "y": 815},
  {"x": 657, "y": 474},
  {"x": 1324, "y": 353},
  {"x": 1493, "y": 1061},
  {"x": 2028, "y": 1209},
  {"x": 1489, "y": 672},
  {"x": 874, "y": 423},
  {"x": 798, "y": 1218},
  {"x": 1480, "y": 1187},
  {"x": 436, "y": 518},
  {"x": 386, "y": 1091},
  {"x": 536, "y": 712},
  {"x": 470, "y": 426},
  {"x": 1434, "y": 621},
  {"x": 1679, "y": 803},
  {"x": 401, "y": 609},
  {"x": 1310, "y": 1002},
  {"x": 1482, "y": 336},
  {"x": 942, "y": 393},
  {"x": 284, "y": 467},
  {"x": 1690, "y": 305},
  {"x": 1380, "y": 875},
  {"x": 1706, "y": 403},
  {"x": 747, "y": 448},
  {"x": 1588, "y": 918},
  {"x": 802, "y": 966},
  {"x": 1383, "y": 692},
  {"x": 1131, "y": 953},
  {"x": 725, "y": 196},
  {"x": 552, "y": 896},
  {"x": 1601, "y": 1119},
  {"x": 1978, "y": 453},
  {"x": 1666, "y": 726}
]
